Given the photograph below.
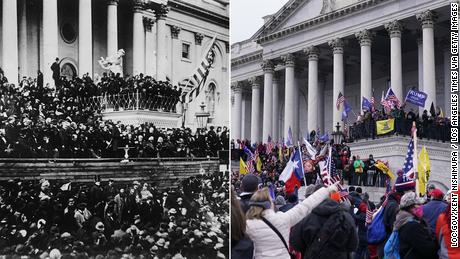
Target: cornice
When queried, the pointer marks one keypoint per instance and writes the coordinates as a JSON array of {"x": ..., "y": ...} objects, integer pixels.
[
  {"x": 198, "y": 12},
  {"x": 254, "y": 56}
]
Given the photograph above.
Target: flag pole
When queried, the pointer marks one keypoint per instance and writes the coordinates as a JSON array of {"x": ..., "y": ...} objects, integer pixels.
[
  {"x": 417, "y": 183},
  {"x": 301, "y": 160}
]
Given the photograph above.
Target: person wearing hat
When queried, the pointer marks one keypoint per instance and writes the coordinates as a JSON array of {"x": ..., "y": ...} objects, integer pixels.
[
  {"x": 266, "y": 242},
  {"x": 434, "y": 208},
  {"x": 249, "y": 185},
  {"x": 415, "y": 238},
  {"x": 291, "y": 202},
  {"x": 402, "y": 186},
  {"x": 99, "y": 238},
  {"x": 360, "y": 221}
]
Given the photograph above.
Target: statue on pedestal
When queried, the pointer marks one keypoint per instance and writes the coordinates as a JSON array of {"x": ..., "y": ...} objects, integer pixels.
[{"x": 113, "y": 63}]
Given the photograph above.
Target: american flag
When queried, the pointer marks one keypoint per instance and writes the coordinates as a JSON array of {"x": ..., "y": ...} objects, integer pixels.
[
  {"x": 345, "y": 130},
  {"x": 391, "y": 96},
  {"x": 373, "y": 102},
  {"x": 369, "y": 214},
  {"x": 408, "y": 166},
  {"x": 249, "y": 164},
  {"x": 384, "y": 103},
  {"x": 330, "y": 176},
  {"x": 340, "y": 100},
  {"x": 270, "y": 145}
]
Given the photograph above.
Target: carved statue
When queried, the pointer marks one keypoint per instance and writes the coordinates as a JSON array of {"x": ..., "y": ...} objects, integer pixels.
[
  {"x": 328, "y": 5},
  {"x": 113, "y": 63}
]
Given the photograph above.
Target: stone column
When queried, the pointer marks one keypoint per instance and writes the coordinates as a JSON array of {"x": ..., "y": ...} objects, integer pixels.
[
  {"x": 175, "y": 55},
  {"x": 321, "y": 110},
  {"x": 289, "y": 118},
  {"x": 23, "y": 61},
  {"x": 396, "y": 29},
  {"x": 268, "y": 67},
  {"x": 237, "y": 88},
  {"x": 445, "y": 43},
  {"x": 10, "y": 41},
  {"x": 313, "y": 108},
  {"x": 138, "y": 39},
  {"x": 255, "y": 111},
  {"x": 149, "y": 44},
  {"x": 246, "y": 117},
  {"x": 50, "y": 39},
  {"x": 275, "y": 107},
  {"x": 417, "y": 34},
  {"x": 162, "y": 62},
  {"x": 85, "y": 38},
  {"x": 112, "y": 28},
  {"x": 427, "y": 20},
  {"x": 365, "y": 40},
  {"x": 337, "y": 46},
  {"x": 296, "y": 130}
]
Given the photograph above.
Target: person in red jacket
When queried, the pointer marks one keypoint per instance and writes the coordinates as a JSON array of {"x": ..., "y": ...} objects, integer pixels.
[{"x": 443, "y": 234}]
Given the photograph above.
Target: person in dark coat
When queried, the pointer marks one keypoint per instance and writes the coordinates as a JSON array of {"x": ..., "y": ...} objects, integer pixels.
[
  {"x": 249, "y": 185},
  {"x": 434, "y": 208},
  {"x": 242, "y": 247},
  {"x": 305, "y": 231},
  {"x": 56, "y": 72},
  {"x": 415, "y": 238},
  {"x": 292, "y": 199},
  {"x": 360, "y": 221}
]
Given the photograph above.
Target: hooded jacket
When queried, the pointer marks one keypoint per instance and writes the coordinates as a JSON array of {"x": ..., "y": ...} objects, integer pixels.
[
  {"x": 417, "y": 235},
  {"x": 389, "y": 217},
  {"x": 304, "y": 232},
  {"x": 443, "y": 235}
]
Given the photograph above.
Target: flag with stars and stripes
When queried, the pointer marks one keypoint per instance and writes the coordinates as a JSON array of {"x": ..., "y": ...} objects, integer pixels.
[
  {"x": 384, "y": 103},
  {"x": 270, "y": 145},
  {"x": 340, "y": 100},
  {"x": 249, "y": 164},
  {"x": 373, "y": 102},
  {"x": 369, "y": 214},
  {"x": 330, "y": 175},
  {"x": 391, "y": 96},
  {"x": 345, "y": 130},
  {"x": 408, "y": 166}
]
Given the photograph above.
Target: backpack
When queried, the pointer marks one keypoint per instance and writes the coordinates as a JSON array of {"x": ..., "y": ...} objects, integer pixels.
[
  {"x": 376, "y": 232},
  {"x": 392, "y": 246},
  {"x": 331, "y": 240}
]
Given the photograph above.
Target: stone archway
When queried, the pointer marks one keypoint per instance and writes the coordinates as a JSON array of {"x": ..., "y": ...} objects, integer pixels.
[{"x": 68, "y": 68}]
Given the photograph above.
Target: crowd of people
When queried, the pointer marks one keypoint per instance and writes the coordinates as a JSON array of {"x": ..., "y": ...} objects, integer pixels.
[
  {"x": 111, "y": 220},
  {"x": 261, "y": 206},
  {"x": 43, "y": 122},
  {"x": 429, "y": 124}
]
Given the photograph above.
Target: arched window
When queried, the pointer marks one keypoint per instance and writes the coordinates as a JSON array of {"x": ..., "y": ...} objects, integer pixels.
[
  {"x": 211, "y": 98},
  {"x": 68, "y": 70}
]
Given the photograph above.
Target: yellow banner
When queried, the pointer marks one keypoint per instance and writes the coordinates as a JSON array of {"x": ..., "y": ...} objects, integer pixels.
[
  {"x": 242, "y": 166},
  {"x": 423, "y": 169},
  {"x": 281, "y": 154},
  {"x": 385, "y": 169},
  {"x": 385, "y": 126},
  {"x": 259, "y": 164}
]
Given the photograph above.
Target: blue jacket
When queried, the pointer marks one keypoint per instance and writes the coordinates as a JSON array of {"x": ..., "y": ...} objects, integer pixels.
[
  {"x": 431, "y": 212},
  {"x": 360, "y": 221},
  {"x": 243, "y": 249}
]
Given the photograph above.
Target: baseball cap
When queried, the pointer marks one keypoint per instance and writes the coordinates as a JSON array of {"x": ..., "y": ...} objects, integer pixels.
[{"x": 436, "y": 193}]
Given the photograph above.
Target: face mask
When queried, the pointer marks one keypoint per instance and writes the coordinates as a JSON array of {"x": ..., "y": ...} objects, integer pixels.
[{"x": 418, "y": 211}]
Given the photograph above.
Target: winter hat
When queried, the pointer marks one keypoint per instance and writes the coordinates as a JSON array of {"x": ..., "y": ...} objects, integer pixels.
[
  {"x": 359, "y": 190},
  {"x": 362, "y": 207},
  {"x": 335, "y": 196},
  {"x": 292, "y": 198},
  {"x": 250, "y": 182},
  {"x": 409, "y": 199},
  {"x": 404, "y": 183},
  {"x": 100, "y": 226},
  {"x": 351, "y": 189},
  {"x": 309, "y": 190}
]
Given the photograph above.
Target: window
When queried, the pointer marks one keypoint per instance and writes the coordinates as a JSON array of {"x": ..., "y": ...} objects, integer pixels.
[
  {"x": 68, "y": 32},
  {"x": 186, "y": 50}
]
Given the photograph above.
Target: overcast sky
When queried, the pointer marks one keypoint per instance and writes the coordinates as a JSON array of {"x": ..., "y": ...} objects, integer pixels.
[{"x": 246, "y": 16}]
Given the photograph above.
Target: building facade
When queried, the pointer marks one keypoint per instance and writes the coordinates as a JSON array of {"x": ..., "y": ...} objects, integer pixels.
[
  {"x": 161, "y": 38},
  {"x": 290, "y": 72}
]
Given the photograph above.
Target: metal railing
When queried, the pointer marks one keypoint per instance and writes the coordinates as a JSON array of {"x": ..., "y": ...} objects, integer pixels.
[{"x": 131, "y": 101}]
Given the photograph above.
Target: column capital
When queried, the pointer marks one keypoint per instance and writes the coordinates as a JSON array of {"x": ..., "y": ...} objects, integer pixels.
[
  {"x": 255, "y": 82},
  {"x": 138, "y": 6},
  {"x": 427, "y": 18},
  {"x": 445, "y": 43},
  {"x": 418, "y": 36},
  {"x": 322, "y": 76},
  {"x": 175, "y": 30},
  {"x": 247, "y": 95},
  {"x": 267, "y": 66},
  {"x": 198, "y": 38},
  {"x": 365, "y": 37},
  {"x": 312, "y": 52},
  {"x": 161, "y": 11},
  {"x": 112, "y": 2},
  {"x": 289, "y": 59},
  {"x": 148, "y": 23},
  {"x": 298, "y": 71},
  {"x": 237, "y": 87},
  {"x": 395, "y": 28},
  {"x": 276, "y": 77},
  {"x": 337, "y": 45}
]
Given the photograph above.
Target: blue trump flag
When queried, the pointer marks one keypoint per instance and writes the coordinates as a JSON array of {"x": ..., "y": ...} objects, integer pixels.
[
  {"x": 272, "y": 192},
  {"x": 289, "y": 138},
  {"x": 346, "y": 110},
  {"x": 416, "y": 97},
  {"x": 324, "y": 137},
  {"x": 367, "y": 106}
]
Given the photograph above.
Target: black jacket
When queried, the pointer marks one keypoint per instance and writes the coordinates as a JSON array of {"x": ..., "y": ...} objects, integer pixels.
[
  {"x": 303, "y": 233},
  {"x": 244, "y": 249},
  {"x": 389, "y": 217},
  {"x": 417, "y": 235},
  {"x": 360, "y": 221}
]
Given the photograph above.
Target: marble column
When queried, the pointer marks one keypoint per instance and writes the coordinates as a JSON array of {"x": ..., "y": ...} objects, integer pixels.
[
  {"x": 427, "y": 20},
  {"x": 337, "y": 46},
  {"x": 396, "y": 29},
  {"x": 296, "y": 130},
  {"x": 138, "y": 40},
  {"x": 275, "y": 107},
  {"x": 417, "y": 34},
  {"x": 268, "y": 67},
  {"x": 312, "y": 107},
  {"x": 112, "y": 28},
  {"x": 10, "y": 41},
  {"x": 50, "y": 39},
  {"x": 365, "y": 40},
  {"x": 321, "y": 109},
  {"x": 446, "y": 44},
  {"x": 150, "y": 45},
  {"x": 246, "y": 120},
  {"x": 237, "y": 88},
  {"x": 255, "y": 111},
  {"x": 289, "y": 118},
  {"x": 23, "y": 57},
  {"x": 162, "y": 62},
  {"x": 85, "y": 40}
]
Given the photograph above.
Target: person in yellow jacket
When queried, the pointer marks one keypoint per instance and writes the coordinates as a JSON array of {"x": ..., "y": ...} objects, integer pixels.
[{"x": 359, "y": 167}]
